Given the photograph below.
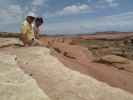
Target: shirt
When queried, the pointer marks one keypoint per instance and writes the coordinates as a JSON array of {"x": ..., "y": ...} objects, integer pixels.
[
  {"x": 26, "y": 28},
  {"x": 36, "y": 30}
]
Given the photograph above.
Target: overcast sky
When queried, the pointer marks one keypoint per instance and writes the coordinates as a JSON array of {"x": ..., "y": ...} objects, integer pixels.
[{"x": 69, "y": 16}]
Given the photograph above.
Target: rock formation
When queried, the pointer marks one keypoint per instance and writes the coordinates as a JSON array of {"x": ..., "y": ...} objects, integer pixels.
[
  {"x": 56, "y": 80},
  {"x": 15, "y": 84}
]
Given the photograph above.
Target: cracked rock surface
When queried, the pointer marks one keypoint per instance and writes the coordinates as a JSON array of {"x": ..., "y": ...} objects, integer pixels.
[{"x": 15, "y": 84}]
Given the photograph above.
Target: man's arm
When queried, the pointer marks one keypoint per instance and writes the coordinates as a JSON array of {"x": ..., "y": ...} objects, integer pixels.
[
  {"x": 23, "y": 35},
  {"x": 36, "y": 32},
  {"x": 37, "y": 35}
]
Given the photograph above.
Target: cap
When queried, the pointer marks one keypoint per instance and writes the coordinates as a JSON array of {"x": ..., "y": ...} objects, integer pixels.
[{"x": 31, "y": 14}]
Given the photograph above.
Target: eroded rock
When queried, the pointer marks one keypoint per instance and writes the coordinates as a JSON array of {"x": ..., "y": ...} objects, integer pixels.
[
  {"x": 5, "y": 42},
  {"x": 118, "y": 62},
  {"x": 114, "y": 59},
  {"x": 61, "y": 83},
  {"x": 15, "y": 84}
]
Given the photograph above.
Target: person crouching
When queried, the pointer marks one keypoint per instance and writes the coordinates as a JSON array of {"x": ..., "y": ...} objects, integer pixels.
[{"x": 27, "y": 35}]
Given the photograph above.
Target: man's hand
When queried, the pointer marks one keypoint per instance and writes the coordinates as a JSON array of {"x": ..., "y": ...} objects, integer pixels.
[
  {"x": 23, "y": 37},
  {"x": 37, "y": 36}
]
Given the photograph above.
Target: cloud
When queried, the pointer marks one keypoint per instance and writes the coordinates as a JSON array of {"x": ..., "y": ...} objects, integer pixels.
[
  {"x": 106, "y": 3},
  {"x": 119, "y": 22},
  {"x": 112, "y": 3},
  {"x": 79, "y": 8},
  {"x": 89, "y": 1},
  {"x": 11, "y": 17},
  {"x": 73, "y": 9},
  {"x": 38, "y": 2},
  {"x": 36, "y": 5},
  {"x": 12, "y": 14}
]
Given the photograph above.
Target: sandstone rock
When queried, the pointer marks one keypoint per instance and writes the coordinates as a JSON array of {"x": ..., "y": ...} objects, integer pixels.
[
  {"x": 74, "y": 51},
  {"x": 61, "y": 83},
  {"x": 4, "y": 42},
  {"x": 15, "y": 84},
  {"x": 8, "y": 59},
  {"x": 117, "y": 62},
  {"x": 93, "y": 47},
  {"x": 26, "y": 91},
  {"x": 114, "y": 59},
  {"x": 127, "y": 67},
  {"x": 6, "y": 68}
]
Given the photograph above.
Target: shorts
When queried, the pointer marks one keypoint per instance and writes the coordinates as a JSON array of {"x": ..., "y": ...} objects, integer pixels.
[{"x": 33, "y": 42}]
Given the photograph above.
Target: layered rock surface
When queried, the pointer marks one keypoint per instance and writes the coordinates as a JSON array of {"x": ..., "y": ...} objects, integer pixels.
[
  {"x": 56, "y": 80},
  {"x": 61, "y": 83},
  {"x": 15, "y": 84},
  {"x": 5, "y": 42},
  {"x": 118, "y": 62}
]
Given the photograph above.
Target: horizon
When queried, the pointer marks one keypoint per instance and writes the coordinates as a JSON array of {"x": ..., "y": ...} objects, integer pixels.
[
  {"x": 69, "y": 17},
  {"x": 75, "y": 34}
]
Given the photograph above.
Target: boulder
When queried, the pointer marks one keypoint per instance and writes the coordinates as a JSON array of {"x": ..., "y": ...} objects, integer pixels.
[
  {"x": 114, "y": 59},
  {"x": 118, "y": 62},
  {"x": 127, "y": 67}
]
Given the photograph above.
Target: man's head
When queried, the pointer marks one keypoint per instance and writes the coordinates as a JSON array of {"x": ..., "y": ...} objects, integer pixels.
[
  {"x": 38, "y": 21},
  {"x": 30, "y": 19}
]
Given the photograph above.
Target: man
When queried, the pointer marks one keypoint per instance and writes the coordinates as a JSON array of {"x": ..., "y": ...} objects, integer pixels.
[
  {"x": 27, "y": 34},
  {"x": 36, "y": 25},
  {"x": 38, "y": 22}
]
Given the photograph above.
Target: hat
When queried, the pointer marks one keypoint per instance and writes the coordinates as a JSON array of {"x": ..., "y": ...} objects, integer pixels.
[{"x": 31, "y": 14}]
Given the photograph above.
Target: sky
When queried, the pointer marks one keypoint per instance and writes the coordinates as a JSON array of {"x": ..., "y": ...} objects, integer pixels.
[{"x": 69, "y": 16}]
